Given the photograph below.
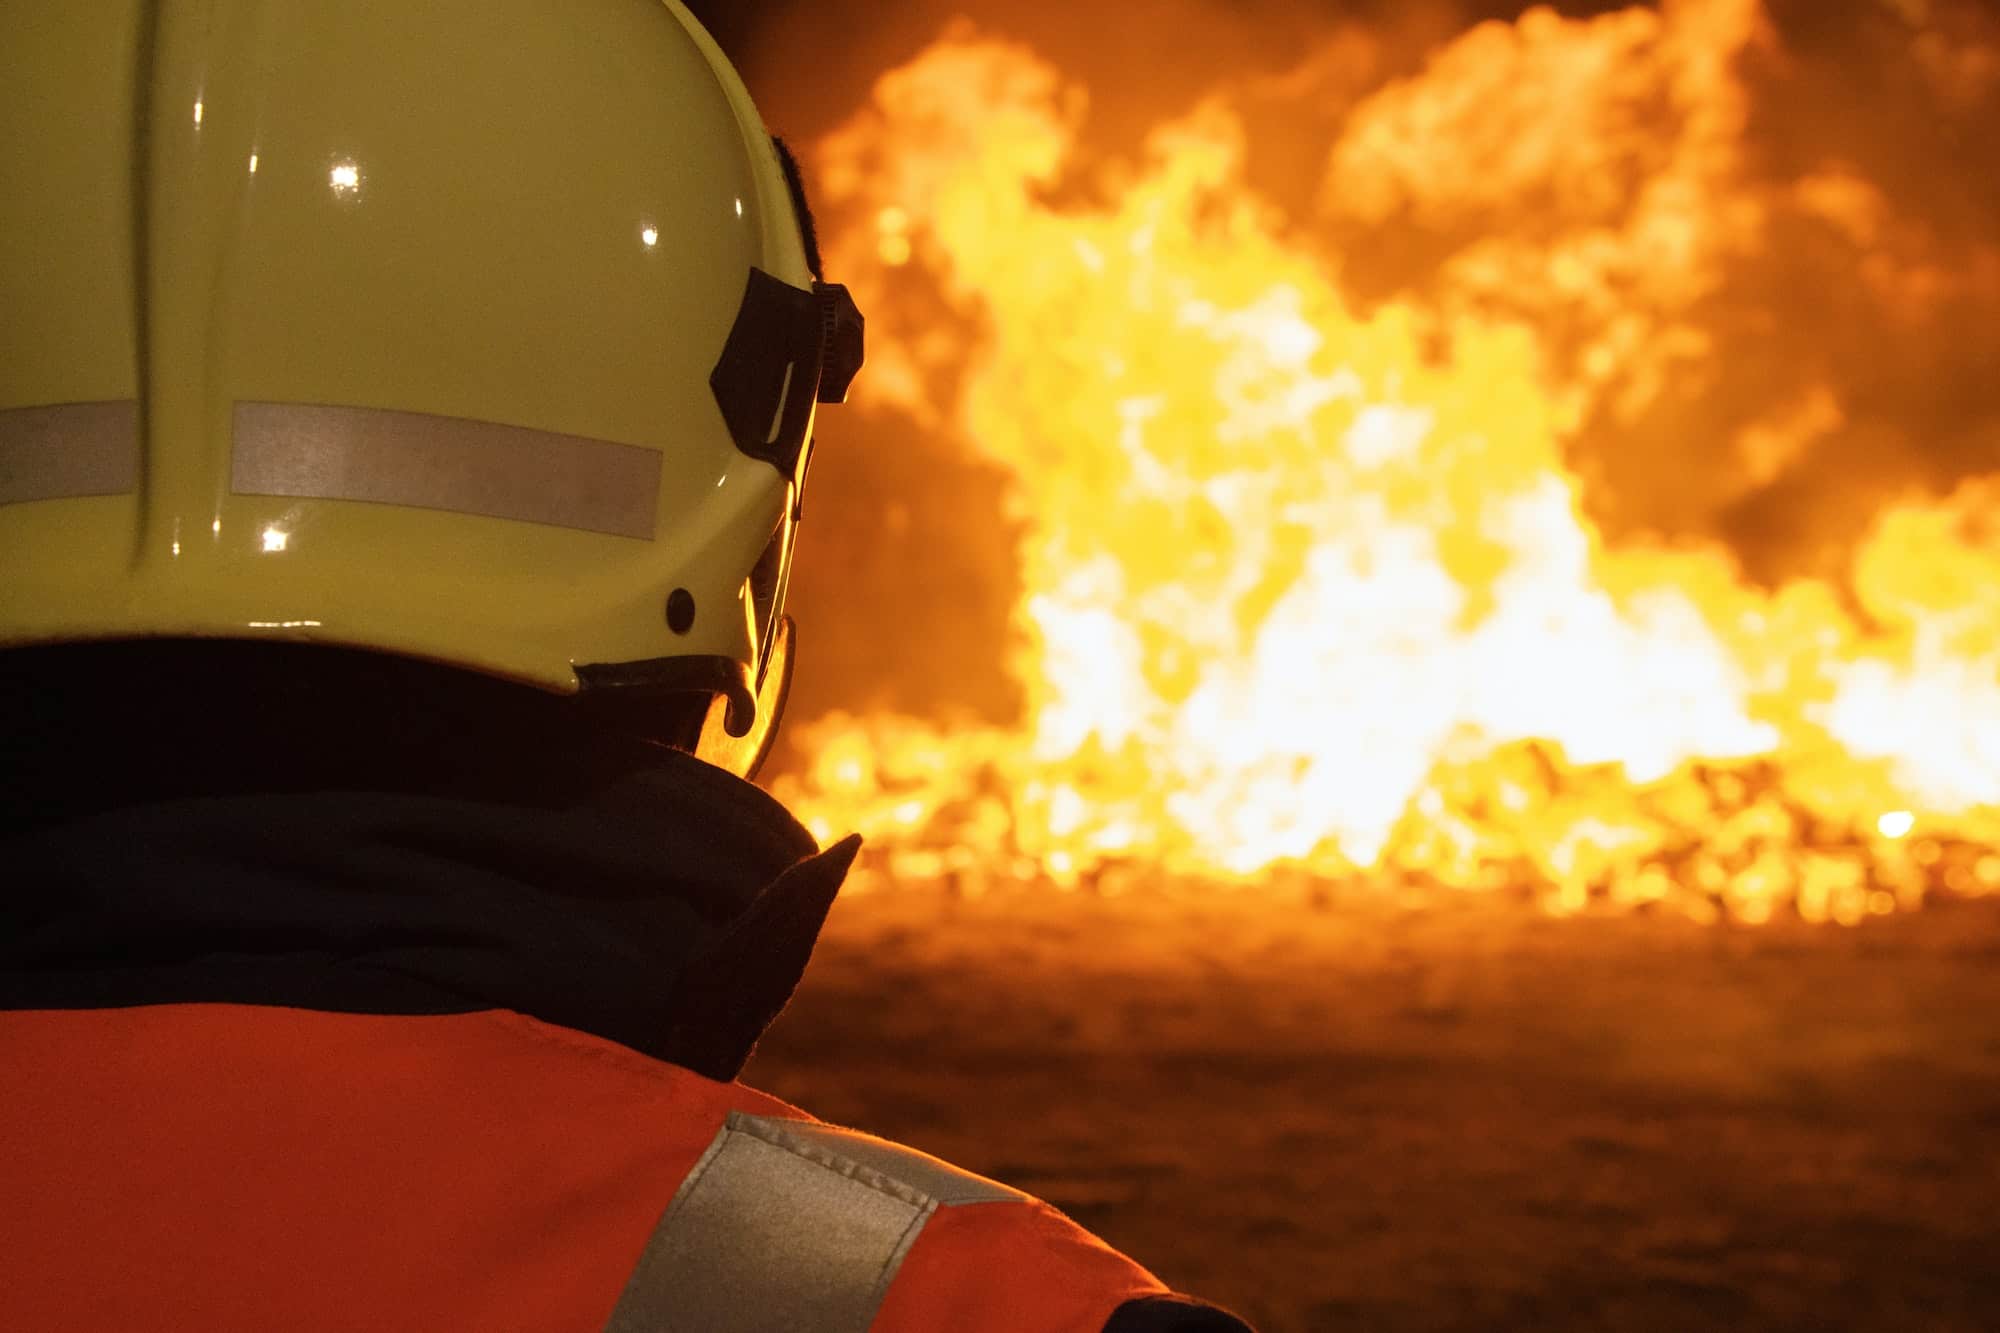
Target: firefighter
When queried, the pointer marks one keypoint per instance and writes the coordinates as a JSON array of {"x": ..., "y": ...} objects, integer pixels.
[{"x": 404, "y": 412}]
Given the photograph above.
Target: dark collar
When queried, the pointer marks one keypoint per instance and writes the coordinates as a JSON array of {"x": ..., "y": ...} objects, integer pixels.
[{"x": 673, "y": 913}]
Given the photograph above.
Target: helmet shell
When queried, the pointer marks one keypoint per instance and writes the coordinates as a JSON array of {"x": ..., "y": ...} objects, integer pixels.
[{"x": 383, "y": 325}]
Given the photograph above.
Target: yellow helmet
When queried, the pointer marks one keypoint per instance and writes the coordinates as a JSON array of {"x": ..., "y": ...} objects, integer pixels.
[{"x": 484, "y": 332}]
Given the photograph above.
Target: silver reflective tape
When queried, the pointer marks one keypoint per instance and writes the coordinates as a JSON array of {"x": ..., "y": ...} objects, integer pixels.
[
  {"x": 775, "y": 1229},
  {"x": 429, "y": 462},
  {"x": 947, "y": 1184},
  {"x": 69, "y": 450}
]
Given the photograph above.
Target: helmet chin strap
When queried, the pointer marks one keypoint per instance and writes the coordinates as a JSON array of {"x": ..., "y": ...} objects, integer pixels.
[{"x": 744, "y": 754}]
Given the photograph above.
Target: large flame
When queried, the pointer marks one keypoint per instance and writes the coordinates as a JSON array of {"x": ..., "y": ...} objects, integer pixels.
[{"x": 1311, "y": 586}]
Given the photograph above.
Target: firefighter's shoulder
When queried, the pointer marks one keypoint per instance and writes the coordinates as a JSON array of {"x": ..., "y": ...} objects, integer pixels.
[{"x": 791, "y": 1223}]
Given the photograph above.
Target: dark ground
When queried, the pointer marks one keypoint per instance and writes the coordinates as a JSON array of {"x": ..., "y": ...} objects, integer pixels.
[{"x": 1465, "y": 1118}]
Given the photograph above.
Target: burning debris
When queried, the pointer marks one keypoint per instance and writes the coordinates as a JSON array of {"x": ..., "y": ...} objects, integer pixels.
[{"x": 1457, "y": 521}]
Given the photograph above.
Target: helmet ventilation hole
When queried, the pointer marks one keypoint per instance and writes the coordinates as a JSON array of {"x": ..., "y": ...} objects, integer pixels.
[{"x": 680, "y": 611}]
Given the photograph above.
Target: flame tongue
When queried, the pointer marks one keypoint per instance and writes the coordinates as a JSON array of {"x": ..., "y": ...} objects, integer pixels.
[{"x": 1313, "y": 586}]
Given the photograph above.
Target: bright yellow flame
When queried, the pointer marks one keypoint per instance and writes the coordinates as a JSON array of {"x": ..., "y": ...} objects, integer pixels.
[
  {"x": 253, "y": 164},
  {"x": 1896, "y": 824},
  {"x": 649, "y": 236},
  {"x": 892, "y": 224},
  {"x": 197, "y": 113},
  {"x": 346, "y": 178},
  {"x": 1310, "y": 587},
  {"x": 275, "y": 540}
]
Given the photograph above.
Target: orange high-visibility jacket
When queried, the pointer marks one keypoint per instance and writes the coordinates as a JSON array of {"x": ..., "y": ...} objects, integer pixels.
[
  {"x": 332, "y": 1061},
  {"x": 223, "y": 1167}
]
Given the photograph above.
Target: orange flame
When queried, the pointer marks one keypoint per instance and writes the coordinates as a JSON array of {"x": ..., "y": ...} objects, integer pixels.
[{"x": 1311, "y": 587}]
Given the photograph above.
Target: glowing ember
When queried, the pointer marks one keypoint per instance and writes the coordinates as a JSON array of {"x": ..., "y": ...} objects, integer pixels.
[{"x": 1311, "y": 588}]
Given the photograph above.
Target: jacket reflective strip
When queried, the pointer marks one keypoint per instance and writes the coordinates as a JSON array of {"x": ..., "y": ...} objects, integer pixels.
[
  {"x": 788, "y": 1225},
  {"x": 420, "y": 461},
  {"x": 69, "y": 450}
]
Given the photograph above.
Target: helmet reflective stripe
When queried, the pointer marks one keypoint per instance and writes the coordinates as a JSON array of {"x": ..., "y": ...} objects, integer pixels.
[
  {"x": 431, "y": 462},
  {"x": 785, "y": 1224},
  {"x": 76, "y": 449}
]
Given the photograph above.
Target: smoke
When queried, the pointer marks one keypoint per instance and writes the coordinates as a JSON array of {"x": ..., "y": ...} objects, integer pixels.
[
  {"x": 1810, "y": 330},
  {"x": 1760, "y": 244}
]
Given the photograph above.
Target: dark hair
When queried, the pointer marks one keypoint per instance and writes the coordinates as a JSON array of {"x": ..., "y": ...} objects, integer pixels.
[
  {"x": 92, "y": 727},
  {"x": 795, "y": 178}
]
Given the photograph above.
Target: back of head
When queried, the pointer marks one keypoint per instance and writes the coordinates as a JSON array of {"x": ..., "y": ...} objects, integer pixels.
[{"x": 364, "y": 357}]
